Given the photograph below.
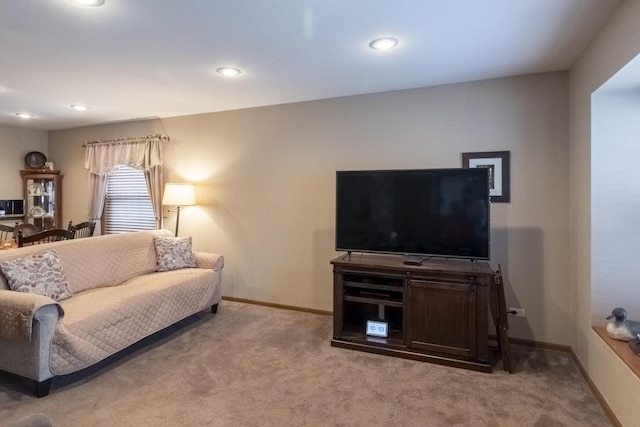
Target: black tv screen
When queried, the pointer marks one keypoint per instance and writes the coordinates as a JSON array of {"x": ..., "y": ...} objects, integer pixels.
[{"x": 426, "y": 212}]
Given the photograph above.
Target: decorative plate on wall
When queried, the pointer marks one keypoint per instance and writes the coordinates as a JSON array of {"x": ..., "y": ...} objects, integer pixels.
[{"x": 35, "y": 160}]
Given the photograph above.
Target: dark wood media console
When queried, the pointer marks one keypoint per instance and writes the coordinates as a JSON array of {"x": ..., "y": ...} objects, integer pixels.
[{"x": 436, "y": 312}]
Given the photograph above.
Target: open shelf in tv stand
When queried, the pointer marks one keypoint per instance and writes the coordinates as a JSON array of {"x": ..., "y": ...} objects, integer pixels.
[{"x": 436, "y": 312}]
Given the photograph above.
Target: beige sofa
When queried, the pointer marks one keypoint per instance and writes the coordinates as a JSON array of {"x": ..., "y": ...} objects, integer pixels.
[{"x": 118, "y": 299}]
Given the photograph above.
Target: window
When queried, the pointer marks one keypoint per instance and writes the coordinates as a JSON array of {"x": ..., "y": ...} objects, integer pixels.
[{"x": 127, "y": 204}]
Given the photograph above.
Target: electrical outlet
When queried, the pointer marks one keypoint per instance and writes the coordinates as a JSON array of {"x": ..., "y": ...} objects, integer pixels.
[{"x": 516, "y": 311}]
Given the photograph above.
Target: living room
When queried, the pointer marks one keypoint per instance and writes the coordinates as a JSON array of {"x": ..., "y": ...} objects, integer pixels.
[{"x": 265, "y": 183}]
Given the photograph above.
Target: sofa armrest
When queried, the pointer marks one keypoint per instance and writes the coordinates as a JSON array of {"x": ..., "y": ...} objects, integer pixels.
[
  {"x": 29, "y": 357},
  {"x": 209, "y": 260},
  {"x": 18, "y": 311}
]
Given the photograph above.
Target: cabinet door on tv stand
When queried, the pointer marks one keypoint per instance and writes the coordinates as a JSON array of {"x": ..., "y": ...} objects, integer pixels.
[{"x": 441, "y": 318}]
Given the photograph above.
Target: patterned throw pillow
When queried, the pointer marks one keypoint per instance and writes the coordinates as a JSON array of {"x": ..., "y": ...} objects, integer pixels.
[
  {"x": 40, "y": 273},
  {"x": 173, "y": 253}
]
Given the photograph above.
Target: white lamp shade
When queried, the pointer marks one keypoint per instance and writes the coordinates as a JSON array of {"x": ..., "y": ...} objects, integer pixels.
[{"x": 179, "y": 195}]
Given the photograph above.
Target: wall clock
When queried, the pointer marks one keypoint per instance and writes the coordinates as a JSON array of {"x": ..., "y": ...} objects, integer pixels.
[{"x": 35, "y": 160}]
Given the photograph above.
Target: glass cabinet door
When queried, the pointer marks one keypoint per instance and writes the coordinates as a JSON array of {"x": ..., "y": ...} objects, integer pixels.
[{"x": 42, "y": 195}]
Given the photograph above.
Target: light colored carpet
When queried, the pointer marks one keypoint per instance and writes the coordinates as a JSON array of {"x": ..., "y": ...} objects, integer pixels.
[{"x": 251, "y": 365}]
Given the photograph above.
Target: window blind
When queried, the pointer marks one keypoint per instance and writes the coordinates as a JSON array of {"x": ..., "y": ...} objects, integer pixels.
[{"x": 127, "y": 202}]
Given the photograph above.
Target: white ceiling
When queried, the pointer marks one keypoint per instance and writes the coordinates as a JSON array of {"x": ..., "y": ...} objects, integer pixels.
[{"x": 134, "y": 59}]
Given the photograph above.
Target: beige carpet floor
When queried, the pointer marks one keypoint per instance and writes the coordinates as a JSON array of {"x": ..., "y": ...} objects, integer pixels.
[{"x": 251, "y": 365}]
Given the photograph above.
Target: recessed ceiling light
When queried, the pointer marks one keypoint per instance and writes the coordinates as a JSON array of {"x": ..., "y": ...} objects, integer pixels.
[
  {"x": 384, "y": 43},
  {"x": 79, "y": 107},
  {"x": 229, "y": 71},
  {"x": 25, "y": 115},
  {"x": 89, "y": 2}
]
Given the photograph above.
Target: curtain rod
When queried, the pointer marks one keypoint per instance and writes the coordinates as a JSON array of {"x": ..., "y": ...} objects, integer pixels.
[{"x": 126, "y": 140}]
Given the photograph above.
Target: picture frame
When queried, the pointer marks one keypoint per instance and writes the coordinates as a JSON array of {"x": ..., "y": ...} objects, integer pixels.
[{"x": 498, "y": 163}]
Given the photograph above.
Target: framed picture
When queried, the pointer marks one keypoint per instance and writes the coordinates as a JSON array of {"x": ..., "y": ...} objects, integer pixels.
[{"x": 498, "y": 164}]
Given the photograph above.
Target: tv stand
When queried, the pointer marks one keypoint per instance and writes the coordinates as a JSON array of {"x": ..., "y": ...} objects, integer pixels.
[{"x": 437, "y": 311}]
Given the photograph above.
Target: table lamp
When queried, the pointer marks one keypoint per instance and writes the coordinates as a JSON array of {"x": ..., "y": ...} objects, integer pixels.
[{"x": 178, "y": 195}]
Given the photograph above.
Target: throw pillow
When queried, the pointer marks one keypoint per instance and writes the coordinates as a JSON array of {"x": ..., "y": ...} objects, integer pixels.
[
  {"x": 40, "y": 273},
  {"x": 173, "y": 253}
]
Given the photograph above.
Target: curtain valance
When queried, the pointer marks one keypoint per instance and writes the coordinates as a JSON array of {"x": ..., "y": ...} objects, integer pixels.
[{"x": 101, "y": 157}]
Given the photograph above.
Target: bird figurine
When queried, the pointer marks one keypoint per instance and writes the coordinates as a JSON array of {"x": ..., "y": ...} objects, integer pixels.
[
  {"x": 620, "y": 328},
  {"x": 634, "y": 345}
]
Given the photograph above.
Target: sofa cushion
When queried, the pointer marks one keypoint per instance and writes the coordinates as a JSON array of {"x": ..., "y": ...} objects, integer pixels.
[
  {"x": 40, "y": 273},
  {"x": 102, "y": 321},
  {"x": 173, "y": 253}
]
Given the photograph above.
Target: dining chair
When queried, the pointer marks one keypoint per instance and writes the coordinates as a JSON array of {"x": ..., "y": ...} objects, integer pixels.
[
  {"x": 25, "y": 228},
  {"x": 6, "y": 232},
  {"x": 84, "y": 229},
  {"x": 47, "y": 236}
]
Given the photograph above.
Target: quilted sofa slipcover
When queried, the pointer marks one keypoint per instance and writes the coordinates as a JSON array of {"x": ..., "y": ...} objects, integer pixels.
[{"x": 118, "y": 299}]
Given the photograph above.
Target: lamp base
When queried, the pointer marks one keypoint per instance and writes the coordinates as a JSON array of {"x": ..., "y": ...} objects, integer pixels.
[{"x": 177, "y": 219}]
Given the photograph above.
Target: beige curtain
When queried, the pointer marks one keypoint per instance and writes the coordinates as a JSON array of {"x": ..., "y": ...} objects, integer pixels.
[
  {"x": 102, "y": 157},
  {"x": 155, "y": 185},
  {"x": 141, "y": 153},
  {"x": 97, "y": 190}
]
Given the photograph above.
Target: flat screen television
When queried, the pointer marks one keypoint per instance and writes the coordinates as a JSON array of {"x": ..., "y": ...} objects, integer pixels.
[{"x": 419, "y": 213}]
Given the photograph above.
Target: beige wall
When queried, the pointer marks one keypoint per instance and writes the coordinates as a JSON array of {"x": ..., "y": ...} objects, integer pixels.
[
  {"x": 614, "y": 47},
  {"x": 15, "y": 143},
  {"x": 266, "y": 183}
]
